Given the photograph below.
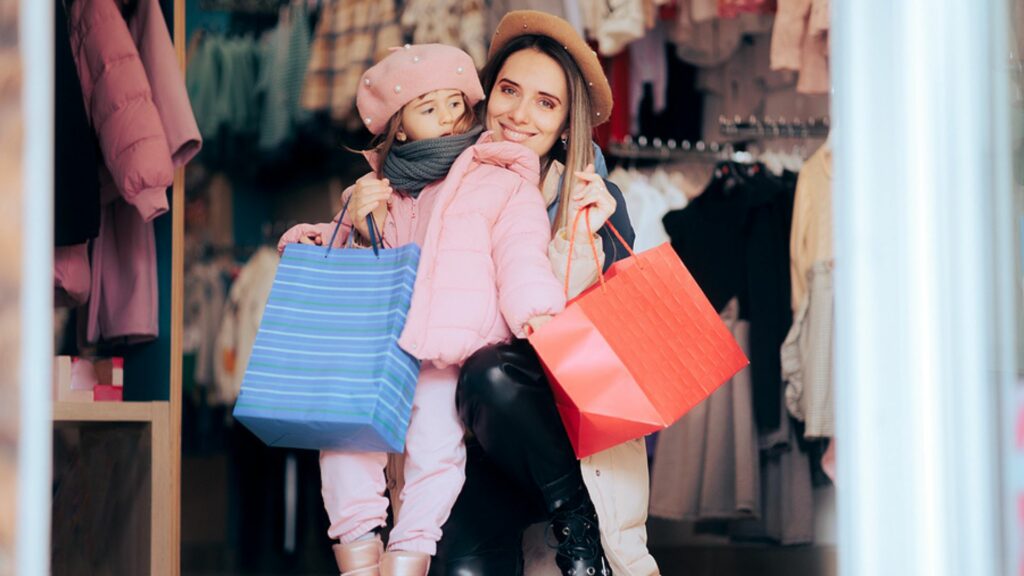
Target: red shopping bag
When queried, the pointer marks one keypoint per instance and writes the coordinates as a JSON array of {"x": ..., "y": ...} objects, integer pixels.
[{"x": 634, "y": 352}]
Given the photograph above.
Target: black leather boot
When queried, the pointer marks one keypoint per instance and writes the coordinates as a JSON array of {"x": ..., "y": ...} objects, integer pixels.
[{"x": 575, "y": 526}]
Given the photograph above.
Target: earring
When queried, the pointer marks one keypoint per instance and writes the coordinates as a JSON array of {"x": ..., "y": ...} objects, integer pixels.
[
  {"x": 400, "y": 136},
  {"x": 565, "y": 142}
]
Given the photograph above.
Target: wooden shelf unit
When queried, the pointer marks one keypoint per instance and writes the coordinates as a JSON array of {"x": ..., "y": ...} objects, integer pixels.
[{"x": 164, "y": 542}]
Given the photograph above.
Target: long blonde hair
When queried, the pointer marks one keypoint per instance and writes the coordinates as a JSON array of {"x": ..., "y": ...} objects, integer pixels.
[{"x": 578, "y": 150}]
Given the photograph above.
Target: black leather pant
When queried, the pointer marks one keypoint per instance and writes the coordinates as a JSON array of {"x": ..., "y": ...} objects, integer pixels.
[{"x": 520, "y": 464}]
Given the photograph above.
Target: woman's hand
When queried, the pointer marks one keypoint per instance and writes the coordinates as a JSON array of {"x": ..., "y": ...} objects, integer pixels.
[
  {"x": 591, "y": 193},
  {"x": 534, "y": 324},
  {"x": 370, "y": 196}
]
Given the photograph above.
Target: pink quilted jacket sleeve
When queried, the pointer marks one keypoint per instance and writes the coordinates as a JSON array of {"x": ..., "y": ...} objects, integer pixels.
[
  {"x": 120, "y": 105},
  {"x": 526, "y": 285}
]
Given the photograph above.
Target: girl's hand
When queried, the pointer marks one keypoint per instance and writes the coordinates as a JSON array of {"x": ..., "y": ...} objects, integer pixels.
[
  {"x": 591, "y": 193},
  {"x": 300, "y": 234},
  {"x": 370, "y": 196},
  {"x": 313, "y": 238},
  {"x": 534, "y": 324}
]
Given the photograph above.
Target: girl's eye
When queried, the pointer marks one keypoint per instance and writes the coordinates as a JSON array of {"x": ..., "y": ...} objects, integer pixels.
[
  {"x": 427, "y": 111},
  {"x": 547, "y": 104},
  {"x": 456, "y": 105},
  {"x": 509, "y": 91}
]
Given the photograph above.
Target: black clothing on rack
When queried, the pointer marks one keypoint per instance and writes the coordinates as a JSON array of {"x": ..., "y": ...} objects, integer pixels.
[
  {"x": 76, "y": 161},
  {"x": 734, "y": 239}
]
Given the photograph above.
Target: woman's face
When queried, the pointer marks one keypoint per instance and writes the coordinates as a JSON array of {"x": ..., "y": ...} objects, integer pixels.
[{"x": 529, "y": 102}]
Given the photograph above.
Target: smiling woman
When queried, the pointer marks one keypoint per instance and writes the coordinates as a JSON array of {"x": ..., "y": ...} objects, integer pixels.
[
  {"x": 546, "y": 91},
  {"x": 528, "y": 103}
]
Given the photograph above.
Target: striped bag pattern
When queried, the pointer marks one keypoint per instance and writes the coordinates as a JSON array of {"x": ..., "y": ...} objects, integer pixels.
[{"x": 326, "y": 370}]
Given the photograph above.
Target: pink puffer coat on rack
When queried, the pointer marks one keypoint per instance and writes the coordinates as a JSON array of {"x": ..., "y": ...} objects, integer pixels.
[{"x": 119, "y": 102}]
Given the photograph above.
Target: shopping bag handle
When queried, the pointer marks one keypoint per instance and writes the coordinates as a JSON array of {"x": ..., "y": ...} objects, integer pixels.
[
  {"x": 375, "y": 232},
  {"x": 593, "y": 246}
]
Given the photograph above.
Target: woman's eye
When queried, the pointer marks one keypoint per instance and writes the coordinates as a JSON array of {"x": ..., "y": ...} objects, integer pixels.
[
  {"x": 427, "y": 111},
  {"x": 509, "y": 91},
  {"x": 547, "y": 104},
  {"x": 456, "y": 105}
]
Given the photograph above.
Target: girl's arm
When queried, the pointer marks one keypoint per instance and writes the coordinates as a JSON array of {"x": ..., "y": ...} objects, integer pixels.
[{"x": 526, "y": 286}]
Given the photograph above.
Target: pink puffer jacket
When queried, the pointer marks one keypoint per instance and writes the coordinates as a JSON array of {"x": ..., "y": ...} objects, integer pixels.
[
  {"x": 119, "y": 102},
  {"x": 484, "y": 270}
]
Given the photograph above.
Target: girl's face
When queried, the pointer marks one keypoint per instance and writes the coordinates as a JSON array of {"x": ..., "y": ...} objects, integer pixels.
[
  {"x": 432, "y": 115},
  {"x": 529, "y": 102}
]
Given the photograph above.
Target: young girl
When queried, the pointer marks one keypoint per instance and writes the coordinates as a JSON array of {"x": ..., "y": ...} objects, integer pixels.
[{"x": 473, "y": 206}]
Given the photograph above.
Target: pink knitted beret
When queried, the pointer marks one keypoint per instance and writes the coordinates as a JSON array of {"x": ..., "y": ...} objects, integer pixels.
[{"x": 410, "y": 72}]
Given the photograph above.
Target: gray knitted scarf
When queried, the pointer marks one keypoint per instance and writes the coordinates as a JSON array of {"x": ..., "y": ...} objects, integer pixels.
[{"x": 410, "y": 167}]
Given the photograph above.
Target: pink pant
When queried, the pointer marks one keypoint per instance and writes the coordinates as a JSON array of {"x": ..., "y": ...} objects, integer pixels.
[{"x": 435, "y": 469}]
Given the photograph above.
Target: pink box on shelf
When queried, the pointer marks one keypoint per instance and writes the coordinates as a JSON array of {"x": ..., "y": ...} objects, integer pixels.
[
  {"x": 107, "y": 393},
  {"x": 73, "y": 379}
]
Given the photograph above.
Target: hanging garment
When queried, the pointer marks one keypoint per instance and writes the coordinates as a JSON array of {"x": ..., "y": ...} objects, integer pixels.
[
  {"x": 619, "y": 78},
  {"x": 349, "y": 38},
  {"x": 811, "y": 236},
  {"x": 814, "y": 67},
  {"x": 282, "y": 77},
  {"x": 733, "y": 8},
  {"x": 788, "y": 34},
  {"x": 734, "y": 239},
  {"x": 680, "y": 121},
  {"x": 622, "y": 23},
  {"x": 701, "y": 10},
  {"x": 706, "y": 464},
  {"x": 496, "y": 9},
  {"x": 744, "y": 85},
  {"x": 452, "y": 22},
  {"x": 648, "y": 66},
  {"x": 612, "y": 25},
  {"x": 242, "y": 312},
  {"x": 807, "y": 364},
  {"x": 124, "y": 296},
  {"x": 800, "y": 43},
  {"x": 787, "y": 495},
  {"x": 72, "y": 276},
  {"x": 647, "y": 206},
  {"x": 160, "y": 60},
  {"x": 76, "y": 184},
  {"x": 203, "y": 84},
  {"x": 124, "y": 301},
  {"x": 119, "y": 99},
  {"x": 204, "y": 309}
]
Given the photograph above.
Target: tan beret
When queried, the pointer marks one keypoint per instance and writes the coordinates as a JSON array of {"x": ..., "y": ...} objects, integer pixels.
[{"x": 531, "y": 22}]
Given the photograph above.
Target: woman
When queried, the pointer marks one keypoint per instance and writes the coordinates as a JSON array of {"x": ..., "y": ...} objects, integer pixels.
[{"x": 546, "y": 90}]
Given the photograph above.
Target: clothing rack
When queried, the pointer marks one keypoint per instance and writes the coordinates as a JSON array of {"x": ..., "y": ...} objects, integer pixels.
[
  {"x": 672, "y": 151},
  {"x": 767, "y": 127}
]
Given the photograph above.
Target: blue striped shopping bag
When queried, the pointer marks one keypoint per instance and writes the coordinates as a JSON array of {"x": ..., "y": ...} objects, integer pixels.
[{"x": 326, "y": 371}]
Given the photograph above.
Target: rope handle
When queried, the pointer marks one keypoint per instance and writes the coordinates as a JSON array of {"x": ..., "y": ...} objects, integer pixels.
[{"x": 593, "y": 246}]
